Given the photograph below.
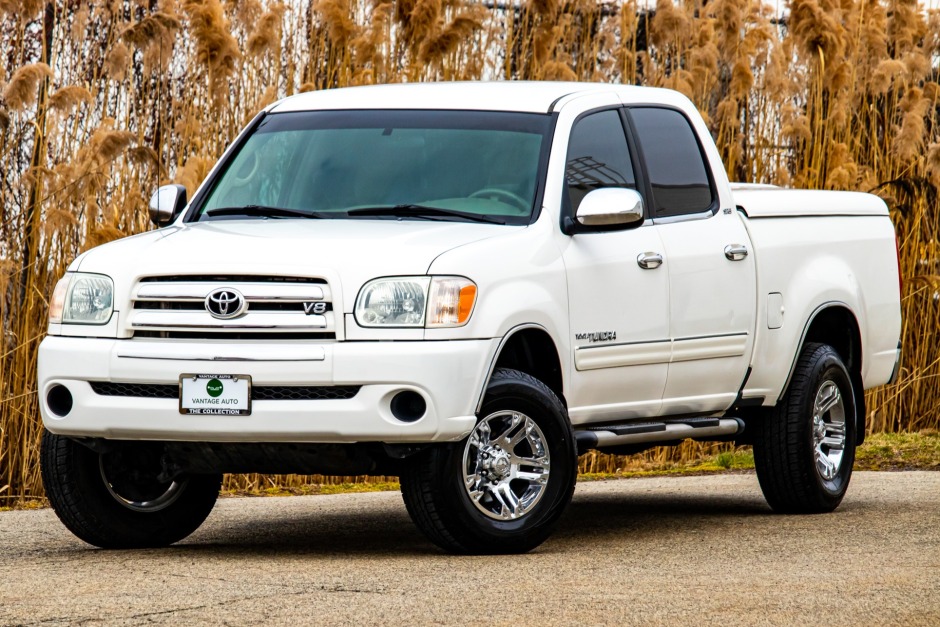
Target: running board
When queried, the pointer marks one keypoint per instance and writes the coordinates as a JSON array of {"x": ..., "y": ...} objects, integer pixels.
[{"x": 646, "y": 432}]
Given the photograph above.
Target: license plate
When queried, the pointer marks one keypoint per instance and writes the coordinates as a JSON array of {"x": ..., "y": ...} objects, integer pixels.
[{"x": 215, "y": 394}]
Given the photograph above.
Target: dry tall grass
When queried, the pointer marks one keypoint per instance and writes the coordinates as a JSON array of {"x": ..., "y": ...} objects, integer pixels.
[{"x": 101, "y": 102}]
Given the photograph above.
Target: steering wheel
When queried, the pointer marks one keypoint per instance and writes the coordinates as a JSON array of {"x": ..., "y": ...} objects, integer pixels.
[
  {"x": 504, "y": 196},
  {"x": 239, "y": 181}
]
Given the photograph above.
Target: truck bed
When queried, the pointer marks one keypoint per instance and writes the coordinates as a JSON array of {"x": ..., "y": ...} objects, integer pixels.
[
  {"x": 844, "y": 255},
  {"x": 770, "y": 201}
]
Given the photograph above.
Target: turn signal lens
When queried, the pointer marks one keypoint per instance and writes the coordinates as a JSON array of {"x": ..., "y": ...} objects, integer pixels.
[
  {"x": 468, "y": 296},
  {"x": 58, "y": 300},
  {"x": 451, "y": 301}
]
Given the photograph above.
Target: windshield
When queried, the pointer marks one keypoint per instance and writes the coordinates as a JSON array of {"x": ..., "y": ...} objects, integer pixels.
[{"x": 377, "y": 164}]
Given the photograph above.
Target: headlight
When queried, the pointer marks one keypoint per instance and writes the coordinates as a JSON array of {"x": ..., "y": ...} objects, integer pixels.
[
  {"x": 416, "y": 302},
  {"x": 81, "y": 298}
]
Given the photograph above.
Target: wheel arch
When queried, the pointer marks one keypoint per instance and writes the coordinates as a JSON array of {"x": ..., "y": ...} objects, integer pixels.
[
  {"x": 835, "y": 324},
  {"x": 529, "y": 348}
]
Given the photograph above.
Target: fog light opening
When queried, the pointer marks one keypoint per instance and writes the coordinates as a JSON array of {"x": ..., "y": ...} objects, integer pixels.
[
  {"x": 408, "y": 406},
  {"x": 59, "y": 400}
]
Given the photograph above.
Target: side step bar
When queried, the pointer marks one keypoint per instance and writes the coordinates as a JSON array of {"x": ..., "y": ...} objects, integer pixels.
[{"x": 645, "y": 432}]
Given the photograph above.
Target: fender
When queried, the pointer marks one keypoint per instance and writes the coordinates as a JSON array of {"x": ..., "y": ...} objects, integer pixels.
[
  {"x": 853, "y": 356},
  {"x": 499, "y": 350},
  {"x": 799, "y": 347}
]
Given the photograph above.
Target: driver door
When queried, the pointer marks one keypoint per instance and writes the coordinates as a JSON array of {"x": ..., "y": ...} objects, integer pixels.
[{"x": 618, "y": 294}]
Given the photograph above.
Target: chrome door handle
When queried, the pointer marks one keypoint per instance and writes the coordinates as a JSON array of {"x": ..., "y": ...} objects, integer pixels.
[
  {"x": 735, "y": 252},
  {"x": 649, "y": 261}
]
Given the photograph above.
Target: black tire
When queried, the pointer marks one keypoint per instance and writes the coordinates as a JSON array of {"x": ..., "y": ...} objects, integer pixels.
[
  {"x": 75, "y": 484},
  {"x": 438, "y": 501},
  {"x": 785, "y": 445}
]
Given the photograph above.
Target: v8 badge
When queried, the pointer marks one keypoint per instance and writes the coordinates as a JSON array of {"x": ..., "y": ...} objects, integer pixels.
[{"x": 314, "y": 308}]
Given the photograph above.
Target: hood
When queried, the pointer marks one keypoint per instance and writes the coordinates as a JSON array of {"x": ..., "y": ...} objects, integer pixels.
[{"x": 345, "y": 252}]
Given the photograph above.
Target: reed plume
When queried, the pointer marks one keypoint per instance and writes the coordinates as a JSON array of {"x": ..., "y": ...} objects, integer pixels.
[
  {"x": 69, "y": 97},
  {"x": 266, "y": 36},
  {"x": 216, "y": 48},
  {"x": 22, "y": 89}
]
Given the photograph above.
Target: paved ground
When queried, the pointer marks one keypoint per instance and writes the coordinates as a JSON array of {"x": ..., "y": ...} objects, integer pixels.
[{"x": 694, "y": 550}]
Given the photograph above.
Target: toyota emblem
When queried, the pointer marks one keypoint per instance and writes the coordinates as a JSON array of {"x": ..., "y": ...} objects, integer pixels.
[{"x": 226, "y": 303}]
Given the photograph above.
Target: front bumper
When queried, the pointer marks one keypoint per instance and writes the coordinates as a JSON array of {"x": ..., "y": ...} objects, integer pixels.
[{"x": 448, "y": 375}]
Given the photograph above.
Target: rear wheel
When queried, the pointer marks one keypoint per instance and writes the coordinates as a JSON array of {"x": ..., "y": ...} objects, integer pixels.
[
  {"x": 804, "y": 450},
  {"x": 118, "y": 499},
  {"x": 503, "y": 488}
]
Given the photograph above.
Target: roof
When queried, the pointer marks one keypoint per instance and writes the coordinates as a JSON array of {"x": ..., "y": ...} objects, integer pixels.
[{"x": 535, "y": 96}]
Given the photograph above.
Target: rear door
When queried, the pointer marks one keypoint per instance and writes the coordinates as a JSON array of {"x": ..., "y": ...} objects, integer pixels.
[{"x": 712, "y": 281}]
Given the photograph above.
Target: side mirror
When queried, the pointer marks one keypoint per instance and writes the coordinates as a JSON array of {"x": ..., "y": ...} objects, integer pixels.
[
  {"x": 611, "y": 207},
  {"x": 167, "y": 203}
]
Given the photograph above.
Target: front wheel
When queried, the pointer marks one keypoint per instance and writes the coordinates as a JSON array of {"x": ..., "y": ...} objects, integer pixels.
[
  {"x": 804, "y": 450},
  {"x": 503, "y": 488},
  {"x": 118, "y": 499}
]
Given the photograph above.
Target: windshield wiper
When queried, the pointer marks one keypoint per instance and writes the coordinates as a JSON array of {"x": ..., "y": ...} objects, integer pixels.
[
  {"x": 421, "y": 211},
  {"x": 262, "y": 211}
]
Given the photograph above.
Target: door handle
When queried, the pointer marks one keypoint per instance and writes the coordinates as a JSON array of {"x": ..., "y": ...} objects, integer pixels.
[
  {"x": 649, "y": 261},
  {"x": 735, "y": 252}
]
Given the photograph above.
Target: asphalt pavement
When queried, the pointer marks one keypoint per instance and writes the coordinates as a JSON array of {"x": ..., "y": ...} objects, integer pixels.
[{"x": 672, "y": 550}]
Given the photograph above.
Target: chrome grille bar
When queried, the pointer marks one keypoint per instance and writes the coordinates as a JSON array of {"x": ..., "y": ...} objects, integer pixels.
[
  {"x": 181, "y": 319},
  {"x": 251, "y": 291}
]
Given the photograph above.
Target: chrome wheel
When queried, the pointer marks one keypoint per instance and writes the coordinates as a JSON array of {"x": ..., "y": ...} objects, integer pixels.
[
  {"x": 506, "y": 465},
  {"x": 828, "y": 430},
  {"x": 148, "y": 495}
]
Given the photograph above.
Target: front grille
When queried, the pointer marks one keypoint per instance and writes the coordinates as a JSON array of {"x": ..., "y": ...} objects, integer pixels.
[
  {"x": 137, "y": 390},
  {"x": 303, "y": 392},
  {"x": 266, "y": 308},
  {"x": 258, "y": 392}
]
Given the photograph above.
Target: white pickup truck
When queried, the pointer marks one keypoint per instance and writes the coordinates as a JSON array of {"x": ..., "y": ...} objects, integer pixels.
[{"x": 465, "y": 285}]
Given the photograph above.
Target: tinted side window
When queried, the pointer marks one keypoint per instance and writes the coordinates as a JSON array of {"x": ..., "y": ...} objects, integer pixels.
[
  {"x": 674, "y": 162},
  {"x": 597, "y": 156}
]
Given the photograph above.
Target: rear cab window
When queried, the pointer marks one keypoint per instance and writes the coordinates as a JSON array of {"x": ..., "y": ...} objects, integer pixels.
[{"x": 680, "y": 183}]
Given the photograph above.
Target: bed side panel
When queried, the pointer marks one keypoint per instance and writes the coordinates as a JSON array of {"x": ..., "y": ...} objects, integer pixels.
[{"x": 814, "y": 262}]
